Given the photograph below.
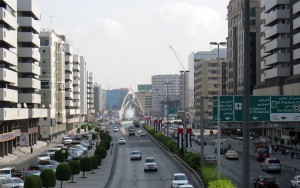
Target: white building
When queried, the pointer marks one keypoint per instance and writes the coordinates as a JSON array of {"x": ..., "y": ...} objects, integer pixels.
[
  {"x": 90, "y": 97},
  {"x": 76, "y": 91},
  {"x": 53, "y": 84},
  {"x": 83, "y": 89}
]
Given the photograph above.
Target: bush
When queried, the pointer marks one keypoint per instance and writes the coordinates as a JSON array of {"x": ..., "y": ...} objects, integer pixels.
[
  {"x": 208, "y": 173},
  {"x": 85, "y": 165},
  {"x": 94, "y": 161},
  {"x": 59, "y": 156},
  {"x": 193, "y": 159},
  {"x": 105, "y": 143},
  {"x": 101, "y": 151},
  {"x": 221, "y": 183},
  {"x": 90, "y": 127},
  {"x": 33, "y": 181},
  {"x": 75, "y": 169},
  {"x": 99, "y": 160},
  {"x": 48, "y": 178},
  {"x": 63, "y": 173},
  {"x": 78, "y": 130},
  {"x": 94, "y": 136}
]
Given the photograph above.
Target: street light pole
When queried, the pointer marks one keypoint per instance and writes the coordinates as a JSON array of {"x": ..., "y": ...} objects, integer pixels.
[
  {"x": 218, "y": 124},
  {"x": 167, "y": 83},
  {"x": 184, "y": 119}
]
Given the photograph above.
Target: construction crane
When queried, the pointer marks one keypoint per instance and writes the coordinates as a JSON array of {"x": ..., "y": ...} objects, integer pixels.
[{"x": 177, "y": 57}]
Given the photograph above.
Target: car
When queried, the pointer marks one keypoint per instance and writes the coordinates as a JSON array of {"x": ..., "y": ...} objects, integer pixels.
[
  {"x": 266, "y": 181},
  {"x": 262, "y": 153},
  {"x": 66, "y": 140},
  {"x": 186, "y": 186},
  {"x": 231, "y": 154},
  {"x": 116, "y": 129},
  {"x": 38, "y": 167},
  {"x": 135, "y": 155},
  {"x": 150, "y": 164},
  {"x": 31, "y": 172},
  {"x": 61, "y": 146},
  {"x": 141, "y": 132},
  {"x": 49, "y": 162},
  {"x": 295, "y": 182},
  {"x": 179, "y": 179},
  {"x": 7, "y": 171},
  {"x": 211, "y": 159},
  {"x": 44, "y": 157},
  {"x": 18, "y": 181},
  {"x": 199, "y": 141},
  {"x": 52, "y": 151},
  {"x": 122, "y": 140},
  {"x": 271, "y": 164},
  {"x": 7, "y": 182}
]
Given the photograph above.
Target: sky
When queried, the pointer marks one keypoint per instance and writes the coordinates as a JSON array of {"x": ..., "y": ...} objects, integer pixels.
[{"x": 126, "y": 42}]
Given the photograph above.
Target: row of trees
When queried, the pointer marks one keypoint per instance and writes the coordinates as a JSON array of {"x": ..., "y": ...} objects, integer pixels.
[
  {"x": 194, "y": 160},
  {"x": 66, "y": 171}
]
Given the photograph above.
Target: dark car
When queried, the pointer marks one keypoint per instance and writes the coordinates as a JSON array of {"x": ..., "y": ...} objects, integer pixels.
[
  {"x": 267, "y": 181},
  {"x": 262, "y": 153}
]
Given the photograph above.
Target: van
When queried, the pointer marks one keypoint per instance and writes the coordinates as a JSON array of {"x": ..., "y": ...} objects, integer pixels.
[
  {"x": 7, "y": 171},
  {"x": 66, "y": 140}
]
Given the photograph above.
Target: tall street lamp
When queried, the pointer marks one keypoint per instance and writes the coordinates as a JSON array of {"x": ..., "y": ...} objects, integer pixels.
[
  {"x": 183, "y": 102},
  {"x": 218, "y": 125},
  {"x": 167, "y": 83}
]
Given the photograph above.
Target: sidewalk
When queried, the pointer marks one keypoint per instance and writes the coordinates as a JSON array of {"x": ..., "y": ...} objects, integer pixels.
[{"x": 292, "y": 165}]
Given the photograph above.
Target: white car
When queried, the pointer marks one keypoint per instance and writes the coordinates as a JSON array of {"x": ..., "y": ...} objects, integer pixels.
[
  {"x": 116, "y": 129},
  {"x": 186, "y": 186},
  {"x": 122, "y": 140},
  {"x": 66, "y": 140},
  {"x": 141, "y": 133},
  {"x": 6, "y": 182},
  {"x": 179, "y": 179},
  {"x": 7, "y": 171},
  {"x": 52, "y": 151},
  {"x": 135, "y": 155},
  {"x": 43, "y": 157},
  {"x": 231, "y": 154},
  {"x": 19, "y": 181},
  {"x": 150, "y": 164},
  {"x": 295, "y": 182}
]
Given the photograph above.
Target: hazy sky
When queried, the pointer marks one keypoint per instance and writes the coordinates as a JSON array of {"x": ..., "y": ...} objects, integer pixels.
[{"x": 125, "y": 42}]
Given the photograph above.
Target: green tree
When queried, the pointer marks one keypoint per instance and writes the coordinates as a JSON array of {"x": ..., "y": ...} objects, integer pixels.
[
  {"x": 75, "y": 168},
  {"x": 94, "y": 136},
  {"x": 101, "y": 151},
  {"x": 48, "y": 178},
  {"x": 221, "y": 183},
  {"x": 59, "y": 156},
  {"x": 65, "y": 153},
  {"x": 78, "y": 130},
  {"x": 33, "y": 181},
  {"x": 90, "y": 127},
  {"x": 85, "y": 165},
  {"x": 94, "y": 161},
  {"x": 63, "y": 173}
]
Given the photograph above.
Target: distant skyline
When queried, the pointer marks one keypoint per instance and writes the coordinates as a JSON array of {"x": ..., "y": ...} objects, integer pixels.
[{"x": 125, "y": 42}]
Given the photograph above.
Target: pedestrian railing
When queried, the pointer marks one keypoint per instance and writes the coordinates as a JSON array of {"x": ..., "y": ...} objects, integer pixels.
[{"x": 290, "y": 168}]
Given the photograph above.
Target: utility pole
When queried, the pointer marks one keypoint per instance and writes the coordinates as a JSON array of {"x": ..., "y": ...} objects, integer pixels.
[{"x": 167, "y": 83}]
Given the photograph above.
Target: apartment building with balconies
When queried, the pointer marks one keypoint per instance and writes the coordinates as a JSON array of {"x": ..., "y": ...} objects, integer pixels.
[
  {"x": 90, "y": 96},
  {"x": 97, "y": 98},
  {"x": 83, "y": 88},
  {"x": 76, "y": 90},
  {"x": 53, "y": 84}
]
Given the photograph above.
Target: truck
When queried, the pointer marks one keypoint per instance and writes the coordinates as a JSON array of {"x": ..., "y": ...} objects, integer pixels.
[
  {"x": 136, "y": 123},
  {"x": 131, "y": 130}
]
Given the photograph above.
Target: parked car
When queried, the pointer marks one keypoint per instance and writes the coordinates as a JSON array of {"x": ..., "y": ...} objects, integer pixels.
[
  {"x": 38, "y": 167},
  {"x": 122, "y": 140},
  {"x": 116, "y": 129},
  {"x": 211, "y": 159},
  {"x": 52, "y": 151},
  {"x": 44, "y": 157},
  {"x": 295, "y": 182},
  {"x": 231, "y": 154},
  {"x": 50, "y": 162},
  {"x": 7, "y": 182},
  {"x": 18, "y": 181},
  {"x": 135, "y": 155},
  {"x": 66, "y": 140},
  {"x": 150, "y": 164},
  {"x": 7, "y": 171},
  {"x": 186, "y": 186},
  {"x": 179, "y": 179},
  {"x": 31, "y": 172},
  {"x": 262, "y": 153},
  {"x": 271, "y": 164},
  {"x": 266, "y": 181}
]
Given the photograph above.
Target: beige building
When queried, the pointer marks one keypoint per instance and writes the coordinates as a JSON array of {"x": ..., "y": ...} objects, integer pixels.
[{"x": 145, "y": 99}]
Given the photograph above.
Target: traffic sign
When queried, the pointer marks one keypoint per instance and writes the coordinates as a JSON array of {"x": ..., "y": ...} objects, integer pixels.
[{"x": 262, "y": 108}]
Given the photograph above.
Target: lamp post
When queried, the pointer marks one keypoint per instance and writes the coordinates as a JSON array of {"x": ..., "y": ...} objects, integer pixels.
[
  {"x": 191, "y": 118},
  {"x": 167, "y": 83},
  {"x": 183, "y": 102},
  {"x": 218, "y": 124},
  {"x": 156, "y": 110}
]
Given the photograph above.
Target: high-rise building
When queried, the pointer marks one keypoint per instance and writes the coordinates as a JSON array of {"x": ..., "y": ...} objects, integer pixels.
[
  {"x": 90, "y": 97},
  {"x": 97, "y": 98},
  {"x": 235, "y": 45},
  {"x": 52, "y": 84},
  {"x": 83, "y": 88},
  {"x": 115, "y": 98},
  {"x": 144, "y": 96},
  {"x": 102, "y": 100},
  {"x": 76, "y": 90},
  {"x": 165, "y": 89}
]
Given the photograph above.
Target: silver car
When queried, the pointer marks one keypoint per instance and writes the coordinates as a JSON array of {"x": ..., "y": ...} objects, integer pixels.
[
  {"x": 271, "y": 164},
  {"x": 135, "y": 155}
]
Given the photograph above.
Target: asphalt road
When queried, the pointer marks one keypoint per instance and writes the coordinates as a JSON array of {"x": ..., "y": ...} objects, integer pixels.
[
  {"x": 233, "y": 168},
  {"x": 130, "y": 174}
]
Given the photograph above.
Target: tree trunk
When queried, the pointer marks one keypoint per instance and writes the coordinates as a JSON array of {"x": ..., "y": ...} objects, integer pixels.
[
  {"x": 61, "y": 184},
  {"x": 72, "y": 179},
  {"x": 83, "y": 174}
]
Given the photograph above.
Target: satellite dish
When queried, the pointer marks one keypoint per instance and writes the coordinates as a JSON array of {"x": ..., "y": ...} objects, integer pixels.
[
  {"x": 25, "y": 105},
  {"x": 19, "y": 105}
]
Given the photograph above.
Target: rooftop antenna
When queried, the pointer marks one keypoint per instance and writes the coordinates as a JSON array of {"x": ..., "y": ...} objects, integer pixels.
[{"x": 51, "y": 21}]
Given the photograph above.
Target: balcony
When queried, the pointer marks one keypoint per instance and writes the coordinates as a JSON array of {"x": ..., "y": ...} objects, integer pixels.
[
  {"x": 276, "y": 15},
  {"x": 29, "y": 53},
  {"x": 8, "y": 18},
  {"x": 76, "y": 89},
  {"x": 277, "y": 29},
  {"x": 29, "y": 37},
  {"x": 11, "y": 3},
  {"x": 30, "y": 83},
  {"x": 277, "y": 72},
  {"x": 76, "y": 96},
  {"x": 76, "y": 58},
  {"x": 68, "y": 49},
  {"x": 277, "y": 58},
  {"x": 277, "y": 43},
  {"x": 296, "y": 7},
  {"x": 76, "y": 74},
  {"x": 69, "y": 67},
  {"x": 68, "y": 58},
  {"x": 8, "y": 37},
  {"x": 76, "y": 82},
  {"x": 8, "y": 57},
  {"x": 296, "y": 39},
  {"x": 296, "y": 54},
  {"x": 90, "y": 101},
  {"x": 76, "y": 104},
  {"x": 30, "y": 68},
  {"x": 69, "y": 94},
  {"x": 69, "y": 103},
  {"x": 9, "y": 95},
  {"x": 37, "y": 112},
  {"x": 8, "y": 76},
  {"x": 29, "y": 22},
  {"x": 69, "y": 85},
  {"x": 71, "y": 112},
  {"x": 29, "y": 6},
  {"x": 61, "y": 120},
  {"x": 70, "y": 120},
  {"x": 7, "y": 114},
  {"x": 270, "y": 4},
  {"x": 76, "y": 67},
  {"x": 29, "y": 98}
]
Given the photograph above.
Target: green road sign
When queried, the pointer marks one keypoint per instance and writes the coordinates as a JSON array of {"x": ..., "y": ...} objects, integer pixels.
[
  {"x": 262, "y": 108},
  {"x": 285, "y": 108}
]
